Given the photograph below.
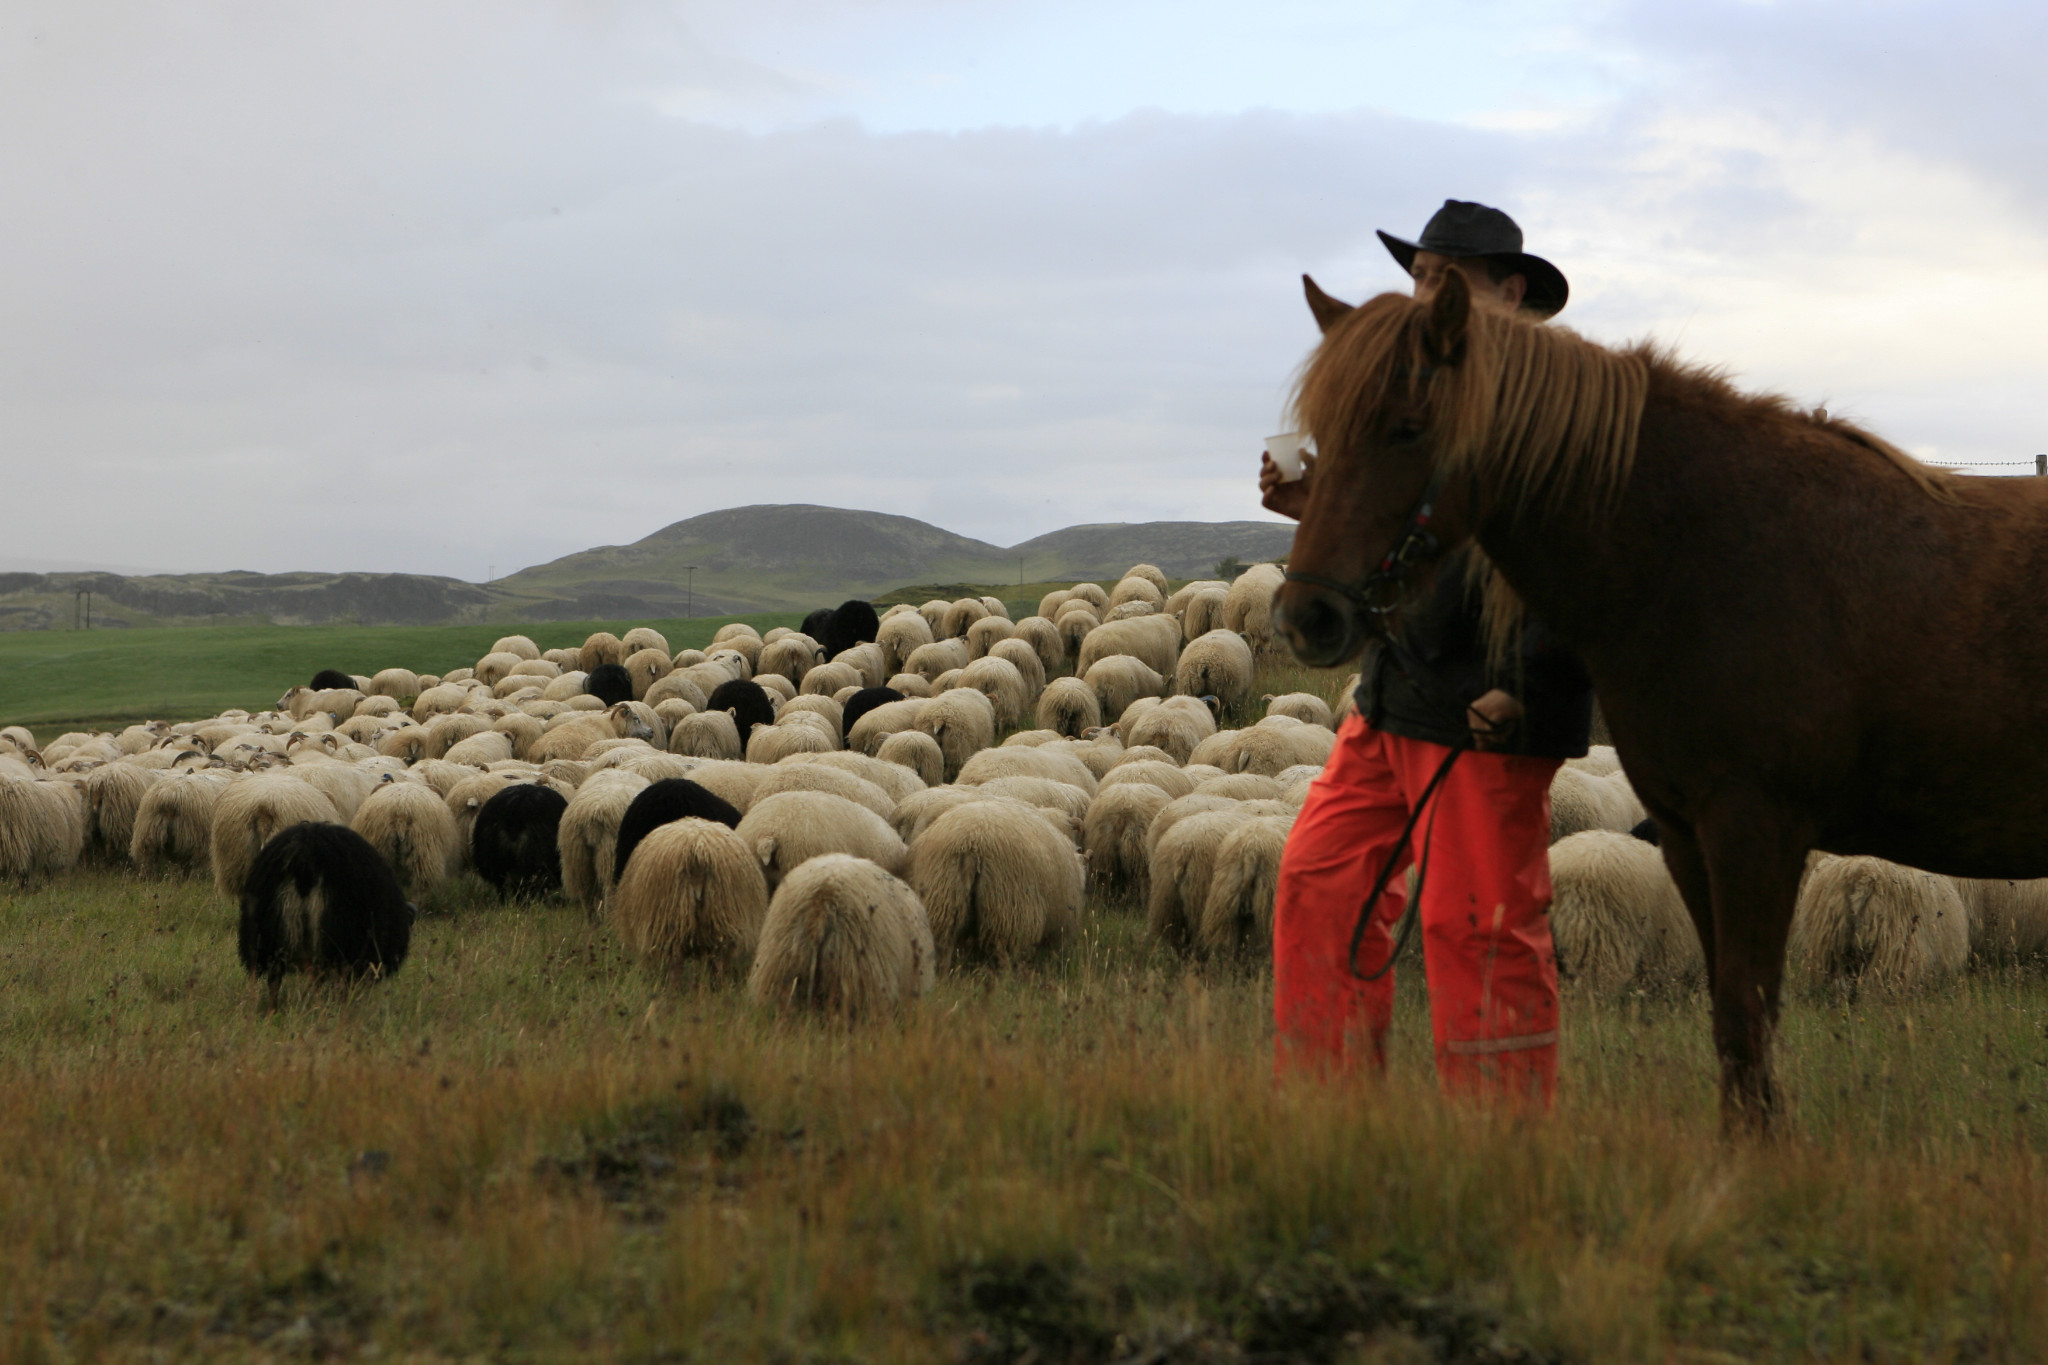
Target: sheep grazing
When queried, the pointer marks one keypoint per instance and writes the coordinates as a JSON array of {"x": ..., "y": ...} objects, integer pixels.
[
  {"x": 1113, "y": 833},
  {"x": 689, "y": 888},
  {"x": 413, "y": 831},
  {"x": 963, "y": 721},
  {"x": 1203, "y": 611},
  {"x": 484, "y": 748},
  {"x": 997, "y": 881},
  {"x": 792, "y": 657},
  {"x": 853, "y": 622},
  {"x": 959, "y": 616},
  {"x": 1019, "y": 655},
  {"x": 770, "y": 744},
  {"x": 174, "y": 823},
  {"x": 862, "y": 702},
  {"x": 1582, "y": 800},
  {"x": 939, "y": 657},
  {"x": 1073, "y": 628},
  {"x": 319, "y": 900},
  {"x": 1153, "y": 640},
  {"x": 828, "y": 679},
  {"x": 746, "y": 700},
  {"x": 882, "y": 721},
  {"x": 677, "y": 687},
  {"x": 842, "y": 938},
  {"x": 517, "y": 644},
  {"x": 999, "y": 681},
  {"x": 646, "y": 667},
  {"x": 1616, "y": 917},
  {"x": 603, "y": 647},
  {"x": 1175, "y": 725},
  {"x": 900, "y": 636},
  {"x": 394, "y": 683},
  {"x": 709, "y": 734},
  {"x": 513, "y": 842},
  {"x": 1181, "y": 868},
  {"x": 1248, "y": 607},
  {"x": 812, "y": 777},
  {"x": 1154, "y": 772},
  {"x": 1043, "y": 792},
  {"x": 331, "y": 679},
  {"x": 42, "y": 827},
  {"x": 1864, "y": 920},
  {"x": 988, "y": 631},
  {"x": 663, "y": 803},
  {"x": 1305, "y": 707},
  {"x": 113, "y": 796},
  {"x": 786, "y": 829},
  {"x": 991, "y": 764},
  {"x": 1269, "y": 748},
  {"x": 249, "y": 814},
  {"x": 491, "y": 670},
  {"x": 1143, "y": 590},
  {"x": 1069, "y": 706},
  {"x": 587, "y": 835},
  {"x": 1120, "y": 679},
  {"x": 1237, "y": 916},
  {"x": 916, "y": 751},
  {"x": 610, "y": 683},
  {"x": 2008, "y": 920}
]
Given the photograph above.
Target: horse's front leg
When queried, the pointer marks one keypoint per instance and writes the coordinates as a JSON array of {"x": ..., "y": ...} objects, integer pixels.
[
  {"x": 1754, "y": 856},
  {"x": 1688, "y": 867}
]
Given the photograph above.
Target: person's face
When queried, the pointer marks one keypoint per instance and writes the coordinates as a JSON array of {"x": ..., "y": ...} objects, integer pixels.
[{"x": 1429, "y": 270}]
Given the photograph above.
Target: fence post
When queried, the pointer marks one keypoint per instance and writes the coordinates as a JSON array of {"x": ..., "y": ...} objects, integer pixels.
[{"x": 2041, "y": 466}]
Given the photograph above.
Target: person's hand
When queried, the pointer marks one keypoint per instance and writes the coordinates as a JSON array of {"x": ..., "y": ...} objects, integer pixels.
[
  {"x": 1492, "y": 717},
  {"x": 1289, "y": 499}
]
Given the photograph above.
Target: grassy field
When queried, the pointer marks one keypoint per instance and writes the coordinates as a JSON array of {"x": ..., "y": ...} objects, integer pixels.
[
  {"x": 526, "y": 1147},
  {"x": 60, "y": 680}
]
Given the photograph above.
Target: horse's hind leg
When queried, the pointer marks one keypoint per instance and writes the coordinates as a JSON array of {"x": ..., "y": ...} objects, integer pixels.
[
  {"x": 1754, "y": 858},
  {"x": 1688, "y": 868}
]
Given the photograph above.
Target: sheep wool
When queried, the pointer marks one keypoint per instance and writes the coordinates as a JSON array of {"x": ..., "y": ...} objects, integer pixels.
[
  {"x": 893, "y": 778},
  {"x": 414, "y": 832},
  {"x": 319, "y": 900},
  {"x": 113, "y": 797},
  {"x": 517, "y": 644},
  {"x": 916, "y": 751},
  {"x": 1181, "y": 808},
  {"x": 680, "y": 687},
  {"x": 482, "y": 749},
  {"x": 1136, "y": 590},
  {"x": 1175, "y": 725},
  {"x": 1218, "y": 665},
  {"x": 174, "y": 823},
  {"x": 911, "y": 685},
  {"x": 1044, "y": 793},
  {"x": 42, "y": 827},
  {"x": 811, "y": 777},
  {"x": 1157, "y": 773},
  {"x": 877, "y": 723},
  {"x": 1237, "y": 916},
  {"x": 1305, "y": 707},
  {"x": 708, "y": 734},
  {"x": 1044, "y": 640},
  {"x": 939, "y": 657},
  {"x": 1248, "y": 607},
  {"x": 1616, "y": 916},
  {"x": 603, "y": 647},
  {"x": 1203, "y": 612},
  {"x": 691, "y": 889},
  {"x": 645, "y": 668},
  {"x": 1000, "y": 681},
  {"x": 587, "y": 836},
  {"x": 959, "y": 616},
  {"x": 1181, "y": 868},
  {"x": 1020, "y": 655},
  {"x": 790, "y": 827},
  {"x": 1120, "y": 679},
  {"x": 2008, "y": 919},
  {"x": 1153, "y": 640},
  {"x": 963, "y": 721},
  {"x": 1581, "y": 801},
  {"x": 866, "y": 660},
  {"x": 1069, "y": 706},
  {"x": 997, "y": 881},
  {"x": 842, "y": 938},
  {"x": 986, "y": 632},
  {"x": 1864, "y": 920},
  {"x": 513, "y": 843},
  {"x": 1599, "y": 760},
  {"x": 899, "y": 637},
  {"x": 1242, "y": 787},
  {"x": 770, "y": 744},
  {"x": 249, "y": 814},
  {"x": 1113, "y": 833},
  {"x": 991, "y": 764},
  {"x": 343, "y": 784}
]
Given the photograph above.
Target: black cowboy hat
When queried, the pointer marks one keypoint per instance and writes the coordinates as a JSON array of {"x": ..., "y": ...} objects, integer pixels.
[{"x": 1464, "y": 229}]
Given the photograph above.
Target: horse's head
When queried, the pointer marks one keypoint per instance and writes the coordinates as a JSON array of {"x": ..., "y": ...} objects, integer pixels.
[{"x": 1378, "y": 398}]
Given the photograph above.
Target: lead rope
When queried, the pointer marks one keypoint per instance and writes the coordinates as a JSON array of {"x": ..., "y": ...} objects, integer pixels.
[{"x": 1379, "y": 887}]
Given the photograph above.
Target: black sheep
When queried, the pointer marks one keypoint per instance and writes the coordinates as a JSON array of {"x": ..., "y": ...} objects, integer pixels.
[
  {"x": 513, "y": 841},
  {"x": 321, "y": 900},
  {"x": 329, "y": 678},
  {"x": 748, "y": 701},
  {"x": 664, "y": 802},
  {"x": 1646, "y": 831},
  {"x": 853, "y": 623},
  {"x": 610, "y": 684},
  {"x": 818, "y": 625},
  {"x": 862, "y": 702}
]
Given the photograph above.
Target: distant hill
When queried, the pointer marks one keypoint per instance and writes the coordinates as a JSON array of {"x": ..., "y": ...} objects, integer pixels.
[{"x": 761, "y": 558}]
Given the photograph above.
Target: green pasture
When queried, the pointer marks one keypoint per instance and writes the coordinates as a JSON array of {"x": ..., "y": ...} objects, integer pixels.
[{"x": 54, "y": 680}]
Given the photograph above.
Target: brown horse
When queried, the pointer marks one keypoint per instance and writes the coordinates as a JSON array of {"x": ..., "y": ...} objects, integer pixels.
[{"x": 1800, "y": 636}]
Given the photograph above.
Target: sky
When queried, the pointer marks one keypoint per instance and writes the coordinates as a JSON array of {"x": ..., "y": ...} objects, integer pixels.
[{"x": 457, "y": 287}]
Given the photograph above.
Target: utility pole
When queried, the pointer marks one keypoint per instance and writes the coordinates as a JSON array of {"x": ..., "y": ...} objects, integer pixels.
[
  {"x": 88, "y": 608},
  {"x": 2041, "y": 466},
  {"x": 689, "y": 591}
]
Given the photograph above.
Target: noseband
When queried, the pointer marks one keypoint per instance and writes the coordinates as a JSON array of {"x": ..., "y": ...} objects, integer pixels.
[{"x": 1379, "y": 591}]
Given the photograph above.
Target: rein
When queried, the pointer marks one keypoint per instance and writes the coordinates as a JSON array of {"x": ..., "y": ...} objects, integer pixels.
[{"x": 1415, "y": 544}]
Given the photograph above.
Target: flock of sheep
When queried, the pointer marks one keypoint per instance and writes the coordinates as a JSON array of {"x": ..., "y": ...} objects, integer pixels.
[{"x": 838, "y": 814}]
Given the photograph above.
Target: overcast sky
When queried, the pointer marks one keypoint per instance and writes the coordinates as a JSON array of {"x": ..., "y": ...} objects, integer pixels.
[{"x": 445, "y": 287}]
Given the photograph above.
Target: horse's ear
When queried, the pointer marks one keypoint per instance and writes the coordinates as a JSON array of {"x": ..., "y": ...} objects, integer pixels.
[
  {"x": 1326, "y": 309},
  {"x": 1443, "y": 335}
]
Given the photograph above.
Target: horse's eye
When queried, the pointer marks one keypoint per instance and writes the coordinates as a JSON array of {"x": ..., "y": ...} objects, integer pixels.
[{"x": 1405, "y": 433}]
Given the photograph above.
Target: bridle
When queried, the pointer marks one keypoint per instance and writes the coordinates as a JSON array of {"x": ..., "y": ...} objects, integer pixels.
[{"x": 1379, "y": 592}]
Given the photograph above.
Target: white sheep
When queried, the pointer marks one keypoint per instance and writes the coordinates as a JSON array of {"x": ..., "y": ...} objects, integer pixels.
[
  {"x": 997, "y": 881},
  {"x": 174, "y": 823},
  {"x": 113, "y": 795},
  {"x": 1203, "y": 611},
  {"x": 1862, "y": 920},
  {"x": 692, "y": 889},
  {"x": 963, "y": 721},
  {"x": 1305, "y": 707},
  {"x": 1000, "y": 681},
  {"x": 1616, "y": 917},
  {"x": 1114, "y": 829},
  {"x": 249, "y": 813},
  {"x": 894, "y": 778},
  {"x": 588, "y": 835},
  {"x": 959, "y": 616},
  {"x": 770, "y": 744},
  {"x": 1248, "y": 607},
  {"x": 827, "y": 679},
  {"x": 42, "y": 827},
  {"x": 1175, "y": 725},
  {"x": 518, "y": 645},
  {"x": 1180, "y": 869},
  {"x": 2008, "y": 919},
  {"x": 990, "y": 764},
  {"x": 1069, "y": 706},
  {"x": 916, "y": 751},
  {"x": 1154, "y": 640},
  {"x": 1219, "y": 665},
  {"x": 1159, "y": 773},
  {"x": 1045, "y": 641},
  {"x": 844, "y": 938},
  {"x": 812, "y": 777},
  {"x": 1244, "y": 882},
  {"x": 708, "y": 734},
  {"x": 414, "y": 831},
  {"x": 1074, "y": 627},
  {"x": 899, "y": 637},
  {"x": 987, "y": 631},
  {"x": 1020, "y": 655},
  {"x": 1581, "y": 800},
  {"x": 1120, "y": 679},
  {"x": 940, "y": 657},
  {"x": 789, "y": 827},
  {"x": 882, "y": 721}
]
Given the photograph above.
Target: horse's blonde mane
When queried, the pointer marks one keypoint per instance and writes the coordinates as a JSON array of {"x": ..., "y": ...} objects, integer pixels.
[{"x": 1536, "y": 415}]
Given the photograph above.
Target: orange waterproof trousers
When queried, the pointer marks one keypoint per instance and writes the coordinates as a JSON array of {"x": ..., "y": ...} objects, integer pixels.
[{"x": 1485, "y": 931}]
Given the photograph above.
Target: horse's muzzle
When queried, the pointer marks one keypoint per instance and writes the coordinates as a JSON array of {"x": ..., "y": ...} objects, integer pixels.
[{"x": 1318, "y": 624}]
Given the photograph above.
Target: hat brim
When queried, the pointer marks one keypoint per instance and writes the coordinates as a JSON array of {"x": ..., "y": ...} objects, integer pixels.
[{"x": 1548, "y": 290}]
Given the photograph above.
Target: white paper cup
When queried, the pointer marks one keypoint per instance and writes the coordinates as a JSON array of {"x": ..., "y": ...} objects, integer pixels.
[{"x": 1285, "y": 451}]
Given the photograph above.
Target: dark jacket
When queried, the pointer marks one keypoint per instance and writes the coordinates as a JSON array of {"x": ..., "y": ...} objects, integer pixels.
[{"x": 1421, "y": 687}]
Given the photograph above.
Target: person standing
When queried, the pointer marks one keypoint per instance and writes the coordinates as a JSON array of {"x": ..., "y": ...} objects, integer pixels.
[{"x": 1483, "y": 916}]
